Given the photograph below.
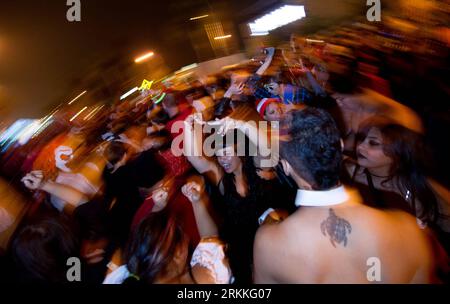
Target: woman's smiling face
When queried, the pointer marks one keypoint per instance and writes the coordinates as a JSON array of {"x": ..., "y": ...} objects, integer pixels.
[
  {"x": 273, "y": 112},
  {"x": 227, "y": 159}
]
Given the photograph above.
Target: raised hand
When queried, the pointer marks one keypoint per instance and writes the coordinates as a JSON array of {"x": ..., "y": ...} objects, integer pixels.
[
  {"x": 234, "y": 89},
  {"x": 160, "y": 198},
  {"x": 225, "y": 124},
  {"x": 193, "y": 191},
  {"x": 33, "y": 180}
]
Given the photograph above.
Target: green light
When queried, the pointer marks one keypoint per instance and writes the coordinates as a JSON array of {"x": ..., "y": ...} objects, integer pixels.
[{"x": 161, "y": 98}]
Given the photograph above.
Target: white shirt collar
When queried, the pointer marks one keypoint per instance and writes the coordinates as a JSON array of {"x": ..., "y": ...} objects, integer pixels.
[{"x": 321, "y": 198}]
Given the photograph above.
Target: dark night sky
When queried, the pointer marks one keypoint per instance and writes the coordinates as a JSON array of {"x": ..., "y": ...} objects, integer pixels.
[{"x": 41, "y": 52}]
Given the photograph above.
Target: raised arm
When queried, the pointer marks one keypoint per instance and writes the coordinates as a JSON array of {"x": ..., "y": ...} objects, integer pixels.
[
  {"x": 34, "y": 181},
  {"x": 264, "y": 138},
  {"x": 195, "y": 192},
  {"x": 267, "y": 62},
  {"x": 193, "y": 151}
]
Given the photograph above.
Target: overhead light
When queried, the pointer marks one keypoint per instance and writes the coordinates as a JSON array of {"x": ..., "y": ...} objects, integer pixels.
[
  {"x": 70, "y": 102},
  {"x": 129, "y": 93},
  {"x": 222, "y": 37},
  {"x": 76, "y": 115},
  {"x": 277, "y": 18},
  {"x": 198, "y": 17},
  {"x": 260, "y": 34},
  {"x": 315, "y": 41},
  {"x": 143, "y": 57}
]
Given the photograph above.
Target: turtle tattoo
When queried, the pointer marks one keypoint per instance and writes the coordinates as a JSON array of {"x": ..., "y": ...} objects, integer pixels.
[{"x": 336, "y": 227}]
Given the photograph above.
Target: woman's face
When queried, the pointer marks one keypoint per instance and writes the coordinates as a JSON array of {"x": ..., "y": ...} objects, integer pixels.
[
  {"x": 321, "y": 74},
  {"x": 273, "y": 88},
  {"x": 227, "y": 159},
  {"x": 273, "y": 112},
  {"x": 370, "y": 152}
]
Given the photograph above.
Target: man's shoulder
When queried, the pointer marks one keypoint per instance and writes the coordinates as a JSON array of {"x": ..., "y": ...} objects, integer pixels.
[
  {"x": 268, "y": 234},
  {"x": 278, "y": 233}
]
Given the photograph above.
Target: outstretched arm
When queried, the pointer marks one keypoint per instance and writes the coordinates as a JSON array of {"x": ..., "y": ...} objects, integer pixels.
[
  {"x": 34, "y": 181},
  {"x": 195, "y": 192},
  {"x": 267, "y": 62},
  {"x": 193, "y": 151}
]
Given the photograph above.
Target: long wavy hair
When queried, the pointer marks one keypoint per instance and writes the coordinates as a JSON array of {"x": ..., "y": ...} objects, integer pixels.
[{"x": 406, "y": 149}]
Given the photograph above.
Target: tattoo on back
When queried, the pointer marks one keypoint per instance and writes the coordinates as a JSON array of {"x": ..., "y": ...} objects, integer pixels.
[{"x": 336, "y": 227}]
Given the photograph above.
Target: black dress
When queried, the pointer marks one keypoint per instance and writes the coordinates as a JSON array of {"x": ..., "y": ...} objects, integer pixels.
[
  {"x": 240, "y": 217},
  {"x": 390, "y": 200}
]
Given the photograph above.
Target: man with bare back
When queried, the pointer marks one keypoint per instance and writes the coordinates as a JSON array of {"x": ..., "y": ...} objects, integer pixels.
[{"x": 333, "y": 237}]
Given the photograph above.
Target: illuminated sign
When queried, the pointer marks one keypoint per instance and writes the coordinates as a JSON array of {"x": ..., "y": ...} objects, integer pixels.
[{"x": 146, "y": 85}]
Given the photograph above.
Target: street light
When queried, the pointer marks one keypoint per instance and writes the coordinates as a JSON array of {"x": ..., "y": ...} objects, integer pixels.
[{"x": 144, "y": 57}]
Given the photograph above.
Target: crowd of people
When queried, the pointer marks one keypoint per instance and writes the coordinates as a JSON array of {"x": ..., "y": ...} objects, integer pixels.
[{"x": 339, "y": 176}]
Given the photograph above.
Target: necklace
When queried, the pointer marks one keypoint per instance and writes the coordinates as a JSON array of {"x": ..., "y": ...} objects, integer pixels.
[{"x": 379, "y": 176}]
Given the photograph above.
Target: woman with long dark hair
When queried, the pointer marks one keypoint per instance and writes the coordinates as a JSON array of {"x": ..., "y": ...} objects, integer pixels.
[
  {"x": 158, "y": 251},
  {"x": 244, "y": 193},
  {"x": 390, "y": 172}
]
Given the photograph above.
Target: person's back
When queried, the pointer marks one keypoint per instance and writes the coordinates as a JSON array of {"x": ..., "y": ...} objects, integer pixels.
[
  {"x": 333, "y": 237},
  {"x": 346, "y": 243}
]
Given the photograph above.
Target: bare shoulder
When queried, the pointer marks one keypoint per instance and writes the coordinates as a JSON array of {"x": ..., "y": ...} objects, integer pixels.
[
  {"x": 268, "y": 234},
  {"x": 269, "y": 243},
  {"x": 279, "y": 238}
]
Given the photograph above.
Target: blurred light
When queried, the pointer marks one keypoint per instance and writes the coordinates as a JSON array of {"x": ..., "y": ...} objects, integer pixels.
[
  {"x": 145, "y": 85},
  {"x": 76, "y": 115},
  {"x": 222, "y": 37},
  {"x": 129, "y": 93},
  {"x": 143, "y": 57},
  {"x": 90, "y": 113},
  {"x": 160, "y": 98},
  {"x": 28, "y": 132},
  {"x": 21, "y": 130},
  {"x": 260, "y": 34},
  {"x": 15, "y": 130},
  {"x": 277, "y": 18},
  {"x": 198, "y": 17},
  {"x": 188, "y": 67},
  {"x": 93, "y": 112},
  {"x": 70, "y": 102},
  {"x": 316, "y": 41},
  {"x": 43, "y": 125}
]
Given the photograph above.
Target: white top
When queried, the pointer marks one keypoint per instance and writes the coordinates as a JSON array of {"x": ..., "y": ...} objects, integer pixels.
[
  {"x": 208, "y": 253},
  {"x": 118, "y": 275},
  {"x": 321, "y": 198},
  {"x": 211, "y": 255}
]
